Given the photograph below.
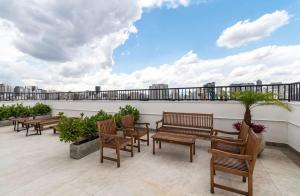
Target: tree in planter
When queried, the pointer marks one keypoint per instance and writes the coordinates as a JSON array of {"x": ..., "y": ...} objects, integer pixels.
[
  {"x": 251, "y": 99},
  {"x": 123, "y": 111}
]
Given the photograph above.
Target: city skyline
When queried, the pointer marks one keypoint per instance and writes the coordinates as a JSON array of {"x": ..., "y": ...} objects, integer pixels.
[{"x": 133, "y": 44}]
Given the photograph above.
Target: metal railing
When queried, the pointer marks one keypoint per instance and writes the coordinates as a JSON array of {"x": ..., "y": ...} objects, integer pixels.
[{"x": 287, "y": 92}]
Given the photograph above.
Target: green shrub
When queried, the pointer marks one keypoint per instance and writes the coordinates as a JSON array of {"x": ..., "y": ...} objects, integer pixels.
[
  {"x": 123, "y": 111},
  {"x": 76, "y": 129},
  {"x": 5, "y": 112},
  {"x": 70, "y": 129},
  {"x": 41, "y": 109},
  {"x": 19, "y": 110}
]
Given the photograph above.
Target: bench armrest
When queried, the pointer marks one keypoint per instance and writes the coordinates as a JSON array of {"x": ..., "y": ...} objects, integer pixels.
[{"x": 157, "y": 123}]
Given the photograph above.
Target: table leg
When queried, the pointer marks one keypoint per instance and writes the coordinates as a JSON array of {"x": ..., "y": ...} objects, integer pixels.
[
  {"x": 194, "y": 148},
  {"x": 191, "y": 153},
  {"x": 159, "y": 144},
  {"x": 153, "y": 146}
]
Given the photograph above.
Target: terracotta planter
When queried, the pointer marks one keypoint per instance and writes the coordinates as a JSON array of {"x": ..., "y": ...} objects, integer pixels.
[{"x": 78, "y": 151}]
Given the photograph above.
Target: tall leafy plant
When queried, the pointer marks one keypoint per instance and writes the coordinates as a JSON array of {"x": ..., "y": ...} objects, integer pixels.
[{"x": 251, "y": 99}]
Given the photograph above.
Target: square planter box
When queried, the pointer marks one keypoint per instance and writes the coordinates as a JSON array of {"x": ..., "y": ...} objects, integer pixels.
[
  {"x": 4, "y": 123},
  {"x": 84, "y": 149}
]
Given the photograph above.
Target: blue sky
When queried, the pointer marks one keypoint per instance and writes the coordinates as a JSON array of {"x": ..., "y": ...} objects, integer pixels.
[
  {"x": 164, "y": 34},
  {"x": 124, "y": 44}
]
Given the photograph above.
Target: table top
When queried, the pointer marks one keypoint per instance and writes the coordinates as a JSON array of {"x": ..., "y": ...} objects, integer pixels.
[{"x": 173, "y": 137}]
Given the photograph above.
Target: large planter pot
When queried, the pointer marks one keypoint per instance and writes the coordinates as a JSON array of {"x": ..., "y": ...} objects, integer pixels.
[
  {"x": 262, "y": 143},
  {"x": 4, "y": 123},
  {"x": 77, "y": 151}
]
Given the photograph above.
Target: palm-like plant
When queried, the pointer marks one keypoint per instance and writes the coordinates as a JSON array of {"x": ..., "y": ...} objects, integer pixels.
[{"x": 251, "y": 99}]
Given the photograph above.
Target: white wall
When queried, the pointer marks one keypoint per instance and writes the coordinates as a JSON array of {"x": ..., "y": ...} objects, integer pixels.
[
  {"x": 294, "y": 127},
  {"x": 282, "y": 126}
]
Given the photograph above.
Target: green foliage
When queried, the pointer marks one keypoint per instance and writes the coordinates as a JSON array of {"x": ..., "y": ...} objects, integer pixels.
[
  {"x": 251, "y": 99},
  {"x": 75, "y": 129},
  {"x": 123, "y": 111},
  {"x": 41, "y": 109},
  {"x": 19, "y": 110},
  {"x": 70, "y": 129}
]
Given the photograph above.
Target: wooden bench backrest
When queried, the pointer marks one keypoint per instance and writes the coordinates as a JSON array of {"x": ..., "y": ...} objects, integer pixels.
[
  {"x": 191, "y": 120},
  {"x": 107, "y": 127}
]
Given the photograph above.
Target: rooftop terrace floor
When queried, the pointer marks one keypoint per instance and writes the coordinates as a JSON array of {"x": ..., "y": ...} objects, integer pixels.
[{"x": 40, "y": 165}]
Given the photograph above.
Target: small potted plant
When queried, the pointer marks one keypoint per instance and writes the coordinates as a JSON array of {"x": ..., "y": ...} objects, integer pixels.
[{"x": 259, "y": 129}]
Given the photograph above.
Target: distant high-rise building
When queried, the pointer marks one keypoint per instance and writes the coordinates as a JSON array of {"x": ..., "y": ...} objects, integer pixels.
[
  {"x": 97, "y": 88},
  {"x": 209, "y": 90},
  {"x": 258, "y": 82},
  {"x": 5, "y": 88},
  {"x": 158, "y": 91},
  {"x": 19, "y": 89}
]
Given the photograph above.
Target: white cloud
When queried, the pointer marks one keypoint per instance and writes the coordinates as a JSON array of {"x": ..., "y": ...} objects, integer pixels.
[
  {"x": 75, "y": 32},
  {"x": 247, "y": 31},
  {"x": 167, "y": 3},
  {"x": 269, "y": 63}
]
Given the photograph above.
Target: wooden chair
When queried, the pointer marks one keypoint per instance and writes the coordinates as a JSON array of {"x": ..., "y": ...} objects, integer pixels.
[
  {"x": 237, "y": 164},
  {"x": 135, "y": 130},
  {"x": 110, "y": 139},
  {"x": 229, "y": 144}
]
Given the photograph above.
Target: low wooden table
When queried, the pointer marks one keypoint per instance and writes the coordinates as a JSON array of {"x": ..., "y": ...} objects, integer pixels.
[{"x": 174, "y": 138}]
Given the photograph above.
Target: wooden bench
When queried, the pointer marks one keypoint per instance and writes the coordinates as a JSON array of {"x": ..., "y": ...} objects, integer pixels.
[
  {"x": 197, "y": 124},
  {"x": 37, "y": 123},
  {"x": 50, "y": 123}
]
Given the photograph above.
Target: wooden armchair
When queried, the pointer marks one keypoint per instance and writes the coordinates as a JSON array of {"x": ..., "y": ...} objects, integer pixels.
[
  {"x": 230, "y": 144},
  {"x": 110, "y": 139},
  {"x": 237, "y": 164},
  {"x": 135, "y": 130}
]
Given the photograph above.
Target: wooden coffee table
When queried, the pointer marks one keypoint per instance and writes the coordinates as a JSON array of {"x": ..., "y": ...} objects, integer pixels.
[{"x": 174, "y": 138}]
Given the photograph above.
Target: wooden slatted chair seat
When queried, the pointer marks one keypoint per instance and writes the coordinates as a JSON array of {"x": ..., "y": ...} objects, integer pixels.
[
  {"x": 112, "y": 143},
  {"x": 235, "y": 164}
]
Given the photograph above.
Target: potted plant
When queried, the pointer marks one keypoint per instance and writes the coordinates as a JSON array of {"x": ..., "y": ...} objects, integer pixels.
[
  {"x": 123, "y": 111},
  {"x": 82, "y": 133},
  {"x": 251, "y": 99}
]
